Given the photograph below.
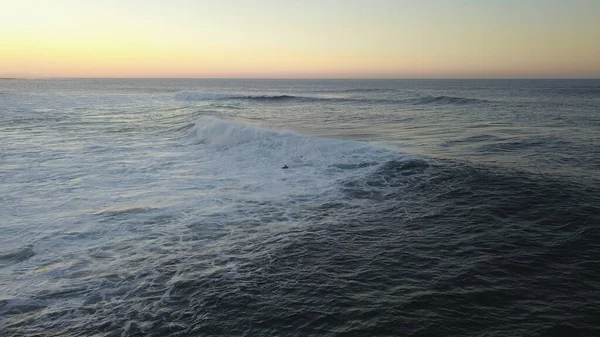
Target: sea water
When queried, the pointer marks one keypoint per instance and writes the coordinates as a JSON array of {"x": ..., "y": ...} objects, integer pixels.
[{"x": 410, "y": 207}]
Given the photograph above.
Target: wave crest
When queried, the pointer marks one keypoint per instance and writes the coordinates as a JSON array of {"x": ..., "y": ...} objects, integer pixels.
[
  {"x": 255, "y": 146},
  {"x": 222, "y": 133}
]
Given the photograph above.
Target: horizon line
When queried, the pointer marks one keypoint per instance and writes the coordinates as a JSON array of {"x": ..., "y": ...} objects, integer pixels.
[{"x": 298, "y": 78}]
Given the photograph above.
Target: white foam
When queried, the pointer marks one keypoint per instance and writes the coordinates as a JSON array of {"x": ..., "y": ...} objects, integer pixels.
[
  {"x": 222, "y": 133},
  {"x": 250, "y": 158}
]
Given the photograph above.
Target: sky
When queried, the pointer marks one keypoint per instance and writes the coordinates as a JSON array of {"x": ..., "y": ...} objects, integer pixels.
[{"x": 300, "y": 39}]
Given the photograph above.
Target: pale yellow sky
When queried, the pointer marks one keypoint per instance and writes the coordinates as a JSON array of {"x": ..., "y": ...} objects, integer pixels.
[{"x": 300, "y": 39}]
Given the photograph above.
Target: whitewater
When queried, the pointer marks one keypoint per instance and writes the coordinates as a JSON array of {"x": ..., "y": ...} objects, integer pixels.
[{"x": 410, "y": 207}]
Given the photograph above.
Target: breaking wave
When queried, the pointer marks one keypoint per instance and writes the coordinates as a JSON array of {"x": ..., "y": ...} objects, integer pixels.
[{"x": 265, "y": 148}]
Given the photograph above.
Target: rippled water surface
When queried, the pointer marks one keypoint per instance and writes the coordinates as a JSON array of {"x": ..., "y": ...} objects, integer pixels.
[{"x": 410, "y": 208}]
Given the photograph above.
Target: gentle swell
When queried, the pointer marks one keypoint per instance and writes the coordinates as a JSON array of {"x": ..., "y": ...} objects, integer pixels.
[
  {"x": 366, "y": 90},
  {"x": 446, "y": 100},
  {"x": 427, "y": 100},
  {"x": 203, "y": 96},
  {"x": 17, "y": 255}
]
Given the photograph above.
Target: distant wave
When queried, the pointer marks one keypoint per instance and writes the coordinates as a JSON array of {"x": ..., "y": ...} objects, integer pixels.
[
  {"x": 203, "y": 96},
  {"x": 365, "y": 90},
  {"x": 427, "y": 100},
  {"x": 274, "y": 97},
  {"x": 446, "y": 100}
]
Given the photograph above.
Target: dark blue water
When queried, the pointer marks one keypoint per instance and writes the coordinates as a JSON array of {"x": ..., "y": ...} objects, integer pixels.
[{"x": 410, "y": 208}]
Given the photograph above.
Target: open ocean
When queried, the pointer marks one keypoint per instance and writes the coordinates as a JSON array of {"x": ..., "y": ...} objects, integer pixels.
[{"x": 410, "y": 208}]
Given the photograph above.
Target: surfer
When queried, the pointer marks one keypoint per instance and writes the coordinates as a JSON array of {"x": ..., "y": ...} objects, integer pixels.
[{"x": 284, "y": 167}]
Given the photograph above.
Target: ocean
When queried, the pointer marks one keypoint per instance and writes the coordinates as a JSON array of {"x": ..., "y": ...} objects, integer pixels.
[{"x": 157, "y": 207}]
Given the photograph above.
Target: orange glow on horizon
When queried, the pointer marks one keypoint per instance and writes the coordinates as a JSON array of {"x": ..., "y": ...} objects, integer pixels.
[{"x": 268, "y": 39}]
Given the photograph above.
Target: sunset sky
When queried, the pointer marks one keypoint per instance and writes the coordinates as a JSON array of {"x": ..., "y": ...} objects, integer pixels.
[{"x": 300, "y": 39}]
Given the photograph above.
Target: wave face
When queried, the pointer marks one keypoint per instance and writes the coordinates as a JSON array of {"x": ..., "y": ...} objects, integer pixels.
[{"x": 421, "y": 208}]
